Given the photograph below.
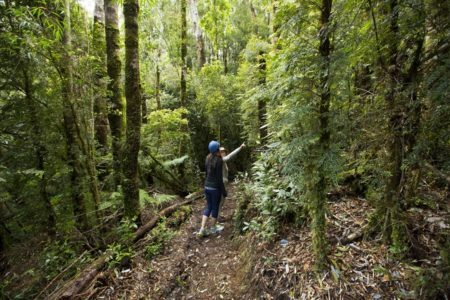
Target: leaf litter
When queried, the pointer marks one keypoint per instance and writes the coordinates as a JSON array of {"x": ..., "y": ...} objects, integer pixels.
[{"x": 220, "y": 267}]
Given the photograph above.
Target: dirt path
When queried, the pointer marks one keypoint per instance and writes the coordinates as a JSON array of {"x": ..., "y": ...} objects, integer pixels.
[{"x": 189, "y": 268}]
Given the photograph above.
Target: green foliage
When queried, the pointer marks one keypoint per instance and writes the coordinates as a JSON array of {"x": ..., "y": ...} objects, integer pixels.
[
  {"x": 399, "y": 244},
  {"x": 162, "y": 134},
  {"x": 243, "y": 199},
  {"x": 55, "y": 257},
  {"x": 216, "y": 99},
  {"x": 274, "y": 201},
  {"x": 144, "y": 198},
  {"x": 302, "y": 160},
  {"x": 116, "y": 254},
  {"x": 162, "y": 139},
  {"x": 176, "y": 161},
  {"x": 153, "y": 250},
  {"x": 155, "y": 201},
  {"x": 249, "y": 87},
  {"x": 216, "y": 20},
  {"x": 215, "y": 114},
  {"x": 162, "y": 198},
  {"x": 180, "y": 215},
  {"x": 125, "y": 231},
  {"x": 33, "y": 144},
  {"x": 293, "y": 170},
  {"x": 431, "y": 283},
  {"x": 424, "y": 202},
  {"x": 114, "y": 201},
  {"x": 159, "y": 236}
]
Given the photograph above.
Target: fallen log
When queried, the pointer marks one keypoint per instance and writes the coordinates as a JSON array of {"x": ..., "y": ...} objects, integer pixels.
[
  {"x": 152, "y": 223},
  {"x": 83, "y": 279}
]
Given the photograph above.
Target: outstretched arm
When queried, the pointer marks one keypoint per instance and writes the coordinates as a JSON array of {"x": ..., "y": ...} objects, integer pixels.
[{"x": 234, "y": 153}]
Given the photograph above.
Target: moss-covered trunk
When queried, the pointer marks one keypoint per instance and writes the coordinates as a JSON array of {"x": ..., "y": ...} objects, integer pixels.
[
  {"x": 158, "y": 85},
  {"x": 318, "y": 205},
  {"x": 183, "y": 92},
  {"x": 133, "y": 97},
  {"x": 144, "y": 98},
  {"x": 393, "y": 225},
  {"x": 262, "y": 107},
  {"x": 413, "y": 123},
  {"x": 183, "y": 86},
  {"x": 100, "y": 107},
  {"x": 115, "y": 100},
  {"x": 73, "y": 145}
]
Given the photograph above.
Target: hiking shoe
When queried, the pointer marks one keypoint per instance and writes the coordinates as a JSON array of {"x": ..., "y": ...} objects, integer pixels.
[
  {"x": 202, "y": 233},
  {"x": 216, "y": 229}
]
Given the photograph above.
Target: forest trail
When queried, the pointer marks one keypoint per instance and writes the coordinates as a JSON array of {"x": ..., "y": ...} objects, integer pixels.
[{"x": 189, "y": 268}]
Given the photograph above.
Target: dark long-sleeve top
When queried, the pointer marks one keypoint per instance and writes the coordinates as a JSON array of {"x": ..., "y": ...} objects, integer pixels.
[{"x": 214, "y": 175}]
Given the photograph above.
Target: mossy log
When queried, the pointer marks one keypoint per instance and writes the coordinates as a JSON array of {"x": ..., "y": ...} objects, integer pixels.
[{"x": 84, "y": 278}]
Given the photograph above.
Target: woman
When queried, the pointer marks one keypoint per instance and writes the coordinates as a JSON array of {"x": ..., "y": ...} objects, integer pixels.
[{"x": 214, "y": 187}]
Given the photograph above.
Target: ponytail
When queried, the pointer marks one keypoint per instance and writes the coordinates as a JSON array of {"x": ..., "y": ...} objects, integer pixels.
[{"x": 211, "y": 162}]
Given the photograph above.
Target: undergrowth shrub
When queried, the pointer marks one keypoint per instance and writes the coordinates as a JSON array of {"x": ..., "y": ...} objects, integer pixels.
[
  {"x": 117, "y": 254},
  {"x": 125, "y": 231},
  {"x": 434, "y": 283},
  {"x": 55, "y": 257},
  {"x": 179, "y": 216},
  {"x": 267, "y": 199},
  {"x": 159, "y": 236},
  {"x": 160, "y": 160}
]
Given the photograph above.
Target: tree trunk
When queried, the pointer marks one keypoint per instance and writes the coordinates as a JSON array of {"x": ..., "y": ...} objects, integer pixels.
[
  {"x": 39, "y": 147},
  {"x": 133, "y": 97},
  {"x": 393, "y": 229},
  {"x": 183, "y": 94},
  {"x": 2, "y": 246},
  {"x": 262, "y": 109},
  {"x": 225, "y": 59},
  {"x": 411, "y": 84},
  {"x": 85, "y": 136},
  {"x": 275, "y": 26},
  {"x": 200, "y": 43},
  {"x": 100, "y": 108},
  {"x": 183, "y": 91},
  {"x": 5, "y": 233},
  {"x": 158, "y": 86},
  {"x": 73, "y": 150},
  {"x": 114, "y": 66},
  {"x": 389, "y": 216},
  {"x": 144, "y": 99},
  {"x": 319, "y": 239},
  {"x": 363, "y": 81},
  {"x": 413, "y": 123}
]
